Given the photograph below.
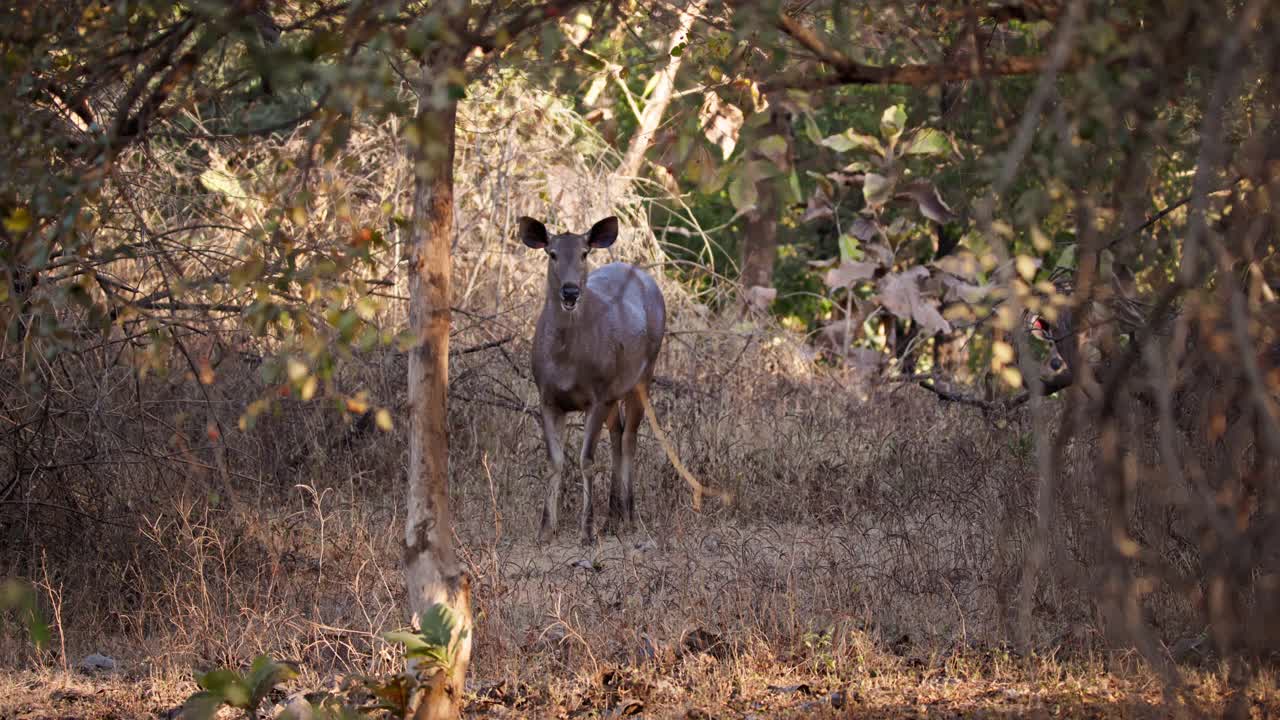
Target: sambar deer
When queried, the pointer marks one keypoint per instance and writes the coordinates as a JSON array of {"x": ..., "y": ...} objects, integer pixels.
[{"x": 594, "y": 351}]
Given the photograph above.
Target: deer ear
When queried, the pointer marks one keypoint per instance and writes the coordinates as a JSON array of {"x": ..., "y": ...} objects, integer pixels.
[
  {"x": 533, "y": 233},
  {"x": 603, "y": 233}
]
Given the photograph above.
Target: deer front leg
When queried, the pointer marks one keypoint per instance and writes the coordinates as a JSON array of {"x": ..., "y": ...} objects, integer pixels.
[
  {"x": 553, "y": 421},
  {"x": 596, "y": 415}
]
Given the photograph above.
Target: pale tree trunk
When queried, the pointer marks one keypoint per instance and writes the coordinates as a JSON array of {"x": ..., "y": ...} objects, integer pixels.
[
  {"x": 760, "y": 241},
  {"x": 651, "y": 116},
  {"x": 432, "y": 572}
]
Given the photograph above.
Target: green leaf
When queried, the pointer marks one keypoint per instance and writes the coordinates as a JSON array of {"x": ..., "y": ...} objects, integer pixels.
[
  {"x": 742, "y": 191},
  {"x": 793, "y": 185},
  {"x": 876, "y": 189},
  {"x": 410, "y": 640},
  {"x": 892, "y": 122},
  {"x": 774, "y": 148},
  {"x": 265, "y": 674},
  {"x": 811, "y": 129},
  {"x": 928, "y": 141},
  {"x": 850, "y": 140},
  {"x": 227, "y": 685},
  {"x": 1068, "y": 258},
  {"x": 201, "y": 706},
  {"x": 849, "y": 249},
  {"x": 678, "y": 50},
  {"x": 438, "y": 625}
]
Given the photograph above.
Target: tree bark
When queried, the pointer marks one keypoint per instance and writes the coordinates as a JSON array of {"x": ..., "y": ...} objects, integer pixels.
[
  {"x": 760, "y": 242},
  {"x": 432, "y": 572},
  {"x": 651, "y": 116}
]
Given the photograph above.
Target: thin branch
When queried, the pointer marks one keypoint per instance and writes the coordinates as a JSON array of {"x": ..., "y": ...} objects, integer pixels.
[
  {"x": 1002, "y": 406},
  {"x": 483, "y": 346},
  {"x": 849, "y": 72},
  {"x": 1163, "y": 213}
]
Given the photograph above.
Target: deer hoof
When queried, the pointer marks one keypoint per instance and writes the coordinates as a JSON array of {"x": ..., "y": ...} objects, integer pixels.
[{"x": 547, "y": 528}]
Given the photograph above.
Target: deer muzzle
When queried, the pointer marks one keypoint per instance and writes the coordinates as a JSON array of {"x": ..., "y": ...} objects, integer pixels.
[{"x": 569, "y": 294}]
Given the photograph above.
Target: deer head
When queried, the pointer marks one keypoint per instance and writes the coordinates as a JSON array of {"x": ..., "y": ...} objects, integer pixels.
[{"x": 567, "y": 254}]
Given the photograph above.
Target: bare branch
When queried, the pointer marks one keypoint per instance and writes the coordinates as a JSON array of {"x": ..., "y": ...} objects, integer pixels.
[{"x": 849, "y": 72}]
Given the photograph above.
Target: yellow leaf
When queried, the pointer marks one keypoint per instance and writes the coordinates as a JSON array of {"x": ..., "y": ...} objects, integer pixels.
[
  {"x": 309, "y": 388},
  {"x": 383, "y": 418},
  {"x": 1011, "y": 376},
  {"x": 220, "y": 180},
  {"x": 206, "y": 371},
  {"x": 1026, "y": 266},
  {"x": 1005, "y": 319},
  {"x": 1126, "y": 545},
  {"x": 1003, "y": 352},
  {"x": 357, "y": 405},
  {"x": 19, "y": 221},
  {"x": 297, "y": 370},
  {"x": 1040, "y": 241}
]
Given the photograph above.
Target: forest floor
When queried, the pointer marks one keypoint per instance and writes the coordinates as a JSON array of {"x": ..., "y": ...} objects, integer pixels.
[
  {"x": 613, "y": 631},
  {"x": 701, "y": 685}
]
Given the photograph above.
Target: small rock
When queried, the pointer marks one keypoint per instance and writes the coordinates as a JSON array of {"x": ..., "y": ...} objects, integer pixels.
[
  {"x": 1189, "y": 647},
  {"x": 294, "y": 707},
  {"x": 97, "y": 662}
]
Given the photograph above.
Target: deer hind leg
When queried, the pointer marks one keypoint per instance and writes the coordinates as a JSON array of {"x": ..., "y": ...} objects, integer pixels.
[
  {"x": 633, "y": 411},
  {"x": 614, "y": 421},
  {"x": 553, "y": 422},
  {"x": 596, "y": 416}
]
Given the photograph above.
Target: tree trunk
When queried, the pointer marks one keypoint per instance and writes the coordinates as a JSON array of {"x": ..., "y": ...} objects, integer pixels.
[
  {"x": 651, "y": 117},
  {"x": 760, "y": 242},
  {"x": 432, "y": 572}
]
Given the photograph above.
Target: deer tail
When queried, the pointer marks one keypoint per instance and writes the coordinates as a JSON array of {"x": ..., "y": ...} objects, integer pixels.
[{"x": 698, "y": 488}]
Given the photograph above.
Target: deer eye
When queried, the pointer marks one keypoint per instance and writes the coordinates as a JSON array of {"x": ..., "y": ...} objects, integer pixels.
[{"x": 552, "y": 253}]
